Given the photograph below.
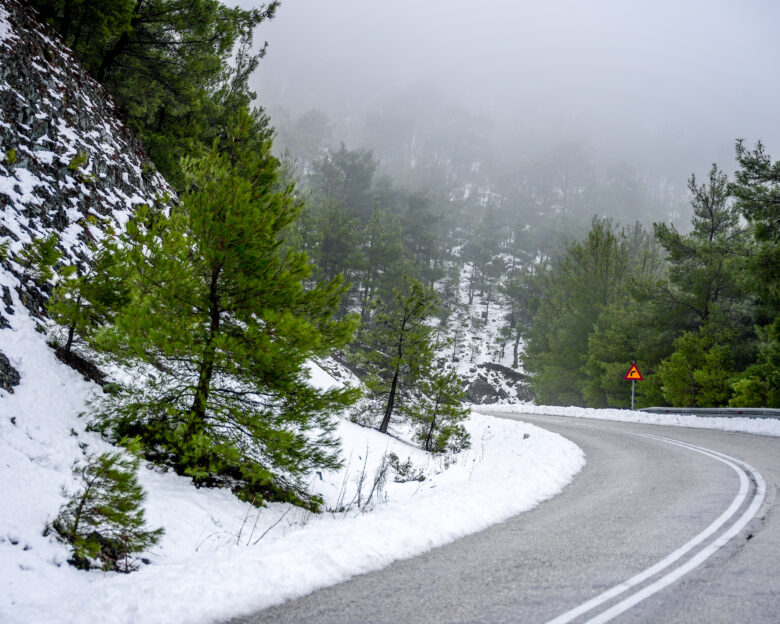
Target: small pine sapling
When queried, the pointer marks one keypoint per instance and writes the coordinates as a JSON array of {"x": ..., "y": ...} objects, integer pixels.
[
  {"x": 103, "y": 520},
  {"x": 439, "y": 417}
]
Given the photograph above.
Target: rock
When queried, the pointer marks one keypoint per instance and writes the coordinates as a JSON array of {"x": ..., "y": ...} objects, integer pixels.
[
  {"x": 33, "y": 299},
  {"x": 9, "y": 376},
  {"x": 481, "y": 392},
  {"x": 9, "y": 303},
  {"x": 495, "y": 382},
  {"x": 505, "y": 371}
]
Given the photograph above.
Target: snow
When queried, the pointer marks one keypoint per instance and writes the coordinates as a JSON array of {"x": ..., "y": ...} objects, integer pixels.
[
  {"x": 6, "y": 32},
  {"x": 221, "y": 557},
  {"x": 739, "y": 424}
]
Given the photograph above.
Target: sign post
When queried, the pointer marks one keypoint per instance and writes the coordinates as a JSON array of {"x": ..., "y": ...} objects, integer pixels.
[{"x": 634, "y": 375}]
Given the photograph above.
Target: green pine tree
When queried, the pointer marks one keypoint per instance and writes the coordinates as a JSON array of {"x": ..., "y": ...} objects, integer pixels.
[
  {"x": 38, "y": 258},
  {"x": 585, "y": 280},
  {"x": 757, "y": 192},
  {"x": 221, "y": 319},
  {"x": 439, "y": 416},
  {"x": 177, "y": 69},
  {"x": 103, "y": 519},
  {"x": 82, "y": 303},
  {"x": 402, "y": 348},
  {"x": 698, "y": 373}
]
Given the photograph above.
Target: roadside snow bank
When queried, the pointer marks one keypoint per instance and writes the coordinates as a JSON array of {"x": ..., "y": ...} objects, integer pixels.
[
  {"x": 221, "y": 557},
  {"x": 740, "y": 424}
]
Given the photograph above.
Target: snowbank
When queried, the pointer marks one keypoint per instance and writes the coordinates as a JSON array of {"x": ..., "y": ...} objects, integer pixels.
[
  {"x": 760, "y": 426},
  {"x": 221, "y": 557}
]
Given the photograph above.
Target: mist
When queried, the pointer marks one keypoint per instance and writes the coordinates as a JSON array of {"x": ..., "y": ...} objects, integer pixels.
[{"x": 663, "y": 86}]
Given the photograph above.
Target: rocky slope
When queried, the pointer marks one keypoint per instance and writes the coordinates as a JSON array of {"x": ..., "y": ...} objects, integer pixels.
[{"x": 67, "y": 163}]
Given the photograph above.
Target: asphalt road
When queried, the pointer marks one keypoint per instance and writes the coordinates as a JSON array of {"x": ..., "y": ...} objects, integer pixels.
[{"x": 689, "y": 534}]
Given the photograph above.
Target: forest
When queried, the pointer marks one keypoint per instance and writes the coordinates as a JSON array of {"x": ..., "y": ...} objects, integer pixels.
[{"x": 283, "y": 244}]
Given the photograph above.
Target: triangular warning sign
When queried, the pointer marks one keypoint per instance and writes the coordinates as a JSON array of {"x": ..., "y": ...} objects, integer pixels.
[{"x": 633, "y": 374}]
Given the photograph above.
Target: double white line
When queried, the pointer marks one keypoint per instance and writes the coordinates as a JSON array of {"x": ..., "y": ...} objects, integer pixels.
[{"x": 742, "y": 469}]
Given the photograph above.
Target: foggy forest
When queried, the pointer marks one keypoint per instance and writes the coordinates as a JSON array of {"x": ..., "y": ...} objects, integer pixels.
[{"x": 527, "y": 140}]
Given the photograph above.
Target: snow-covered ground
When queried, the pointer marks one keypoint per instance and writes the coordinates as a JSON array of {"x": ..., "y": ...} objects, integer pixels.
[
  {"x": 760, "y": 426},
  {"x": 221, "y": 557}
]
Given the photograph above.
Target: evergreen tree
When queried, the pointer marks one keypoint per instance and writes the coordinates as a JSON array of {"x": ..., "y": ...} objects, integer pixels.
[
  {"x": 83, "y": 303},
  {"x": 701, "y": 275},
  {"x": 38, "y": 258},
  {"x": 104, "y": 518},
  {"x": 382, "y": 259},
  {"x": 402, "y": 348},
  {"x": 634, "y": 327},
  {"x": 583, "y": 282},
  {"x": 522, "y": 291},
  {"x": 757, "y": 192},
  {"x": 345, "y": 177},
  {"x": 419, "y": 235},
  {"x": 698, "y": 372},
  {"x": 224, "y": 324},
  {"x": 167, "y": 63},
  {"x": 438, "y": 418},
  {"x": 706, "y": 299}
]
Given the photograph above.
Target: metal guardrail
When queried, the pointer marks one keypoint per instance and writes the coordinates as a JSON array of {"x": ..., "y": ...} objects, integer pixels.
[{"x": 746, "y": 412}]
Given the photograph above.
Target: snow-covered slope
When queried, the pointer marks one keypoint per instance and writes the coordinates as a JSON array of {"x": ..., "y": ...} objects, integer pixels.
[
  {"x": 219, "y": 556},
  {"x": 480, "y": 351}
]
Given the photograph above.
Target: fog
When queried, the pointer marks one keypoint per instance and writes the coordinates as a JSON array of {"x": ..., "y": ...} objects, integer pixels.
[{"x": 664, "y": 86}]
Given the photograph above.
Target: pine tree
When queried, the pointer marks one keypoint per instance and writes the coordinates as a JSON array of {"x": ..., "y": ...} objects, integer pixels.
[
  {"x": 104, "y": 518},
  {"x": 382, "y": 259},
  {"x": 698, "y": 372},
  {"x": 584, "y": 281},
  {"x": 83, "y": 303},
  {"x": 701, "y": 276},
  {"x": 167, "y": 64},
  {"x": 522, "y": 291},
  {"x": 757, "y": 192},
  {"x": 402, "y": 347},
  {"x": 439, "y": 416},
  {"x": 222, "y": 321},
  {"x": 38, "y": 258}
]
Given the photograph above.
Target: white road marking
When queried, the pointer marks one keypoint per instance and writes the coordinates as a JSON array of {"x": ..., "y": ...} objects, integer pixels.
[{"x": 695, "y": 561}]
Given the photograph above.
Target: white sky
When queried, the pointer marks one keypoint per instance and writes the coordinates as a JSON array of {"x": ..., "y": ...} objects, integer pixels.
[{"x": 654, "y": 82}]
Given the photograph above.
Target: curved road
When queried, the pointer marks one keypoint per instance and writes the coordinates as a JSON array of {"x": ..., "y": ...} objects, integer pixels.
[{"x": 692, "y": 531}]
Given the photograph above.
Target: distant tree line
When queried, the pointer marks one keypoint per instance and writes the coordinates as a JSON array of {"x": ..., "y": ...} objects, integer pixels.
[{"x": 698, "y": 312}]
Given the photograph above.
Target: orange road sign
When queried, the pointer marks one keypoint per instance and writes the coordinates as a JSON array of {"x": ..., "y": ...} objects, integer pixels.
[{"x": 633, "y": 374}]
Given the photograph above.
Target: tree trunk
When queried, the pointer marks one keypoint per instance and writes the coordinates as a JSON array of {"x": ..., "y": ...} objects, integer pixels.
[
  {"x": 390, "y": 403},
  {"x": 200, "y": 402},
  {"x": 66, "y": 20},
  {"x": 110, "y": 58},
  {"x": 515, "y": 348},
  {"x": 71, "y": 332},
  {"x": 433, "y": 424}
]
